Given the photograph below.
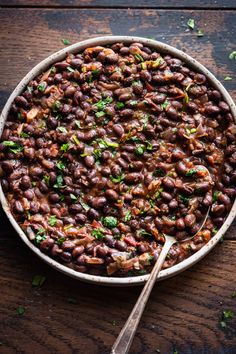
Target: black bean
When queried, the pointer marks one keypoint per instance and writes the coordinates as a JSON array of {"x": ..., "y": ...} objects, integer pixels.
[
  {"x": 77, "y": 251},
  {"x": 218, "y": 209},
  {"x": 190, "y": 220},
  {"x": 112, "y": 195},
  {"x": 25, "y": 183},
  {"x": 121, "y": 245},
  {"x": 168, "y": 183},
  {"x": 89, "y": 161},
  {"x": 18, "y": 208},
  {"x": 81, "y": 218},
  {"x": 99, "y": 202},
  {"x": 133, "y": 177}
]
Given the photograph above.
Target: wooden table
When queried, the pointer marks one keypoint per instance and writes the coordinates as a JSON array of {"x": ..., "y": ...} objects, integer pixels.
[{"x": 66, "y": 316}]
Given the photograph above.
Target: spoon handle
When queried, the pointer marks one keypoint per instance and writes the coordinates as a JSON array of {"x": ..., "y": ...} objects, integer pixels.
[{"x": 125, "y": 338}]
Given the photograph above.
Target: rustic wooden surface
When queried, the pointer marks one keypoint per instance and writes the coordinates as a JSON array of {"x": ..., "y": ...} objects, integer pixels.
[{"x": 184, "y": 312}]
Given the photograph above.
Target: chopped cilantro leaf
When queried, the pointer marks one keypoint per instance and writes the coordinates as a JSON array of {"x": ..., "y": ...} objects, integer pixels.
[
  {"x": 62, "y": 129},
  {"x": 60, "y": 165},
  {"x": 73, "y": 197},
  {"x": 46, "y": 179},
  {"x": 41, "y": 87},
  {"x": 215, "y": 196},
  {"x": 59, "y": 183},
  {"x": 128, "y": 216},
  {"x": 56, "y": 106},
  {"x": 117, "y": 179},
  {"x": 100, "y": 114},
  {"x": 24, "y": 135},
  {"x": 83, "y": 204},
  {"x": 110, "y": 222},
  {"x": 191, "y": 23},
  {"x": 52, "y": 220},
  {"x": 159, "y": 172},
  {"x": 98, "y": 233},
  {"x": 133, "y": 103},
  {"x": 200, "y": 33},
  {"x": 38, "y": 280},
  {"x": 70, "y": 69},
  {"x": 228, "y": 314},
  {"x": 183, "y": 199},
  {"x": 120, "y": 105},
  {"x": 77, "y": 122},
  {"x": 65, "y": 41},
  {"x": 102, "y": 103},
  {"x": 20, "y": 310},
  {"x": 65, "y": 147},
  {"x": 232, "y": 55},
  {"x": 60, "y": 240},
  {"x": 164, "y": 105},
  {"x": 233, "y": 295},
  {"x": 227, "y": 78},
  {"x": 139, "y": 57},
  {"x": 13, "y": 146},
  {"x": 140, "y": 150},
  {"x": 40, "y": 236},
  {"x": 191, "y": 172},
  {"x": 75, "y": 139}
]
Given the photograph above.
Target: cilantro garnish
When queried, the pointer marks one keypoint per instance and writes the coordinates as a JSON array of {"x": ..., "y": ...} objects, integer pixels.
[
  {"x": 20, "y": 310},
  {"x": 183, "y": 199},
  {"x": 191, "y": 172},
  {"x": 117, "y": 179},
  {"x": 102, "y": 103},
  {"x": 215, "y": 196},
  {"x": 139, "y": 57},
  {"x": 62, "y": 129},
  {"x": 38, "y": 280},
  {"x": 128, "y": 216},
  {"x": 60, "y": 240},
  {"x": 41, "y": 87},
  {"x": 52, "y": 220},
  {"x": 191, "y": 23},
  {"x": 65, "y": 147},
  {"x": 232, "y": 55},
  {"x": 40, "y": 236},
  {"x": 73, "y": 197},
  {"x": 100, "y": 114},
  {"x": 200, "y": 33},
  {"x": 83, "y": 204},
  {"x": 98, "y": 233},
  {"x": 59, "y": 182},
  {"x": 110, "y": 222},
  {"x": 140, "y": 150},
  {"x": 159, "y": 172},
  {"x": 13, "y": 146},
  {"x": 120, "y": 105},
  {"x": 65, "y": 41},
  {"x": 60, "y": 165}
]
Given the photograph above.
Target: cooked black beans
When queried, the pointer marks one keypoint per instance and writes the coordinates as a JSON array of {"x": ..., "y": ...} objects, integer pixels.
[{"x": 98, "y": 158}]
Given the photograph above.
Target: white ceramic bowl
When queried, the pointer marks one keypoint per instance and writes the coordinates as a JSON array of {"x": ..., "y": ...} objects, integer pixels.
[{"x": 43, "y": 65}]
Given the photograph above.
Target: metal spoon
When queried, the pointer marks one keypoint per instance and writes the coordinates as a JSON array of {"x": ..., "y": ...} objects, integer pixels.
[{"x": 125, "y": 338}]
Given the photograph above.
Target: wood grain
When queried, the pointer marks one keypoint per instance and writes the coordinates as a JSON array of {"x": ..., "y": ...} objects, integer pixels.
[
  {"x": 123, "y": 3},
  {"x": 183, "y": 312},
  {"x": 34, "y": 34}
]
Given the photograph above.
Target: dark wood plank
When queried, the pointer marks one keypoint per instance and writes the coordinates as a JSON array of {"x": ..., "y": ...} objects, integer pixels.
[
  {"x": 29, "y": 35},
  {"x": 123, "y": 3},
  {"x": 183, "y": 312}
]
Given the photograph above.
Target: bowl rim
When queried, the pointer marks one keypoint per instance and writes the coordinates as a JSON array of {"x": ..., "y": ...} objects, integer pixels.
[{"x": 44, "y": 65}]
